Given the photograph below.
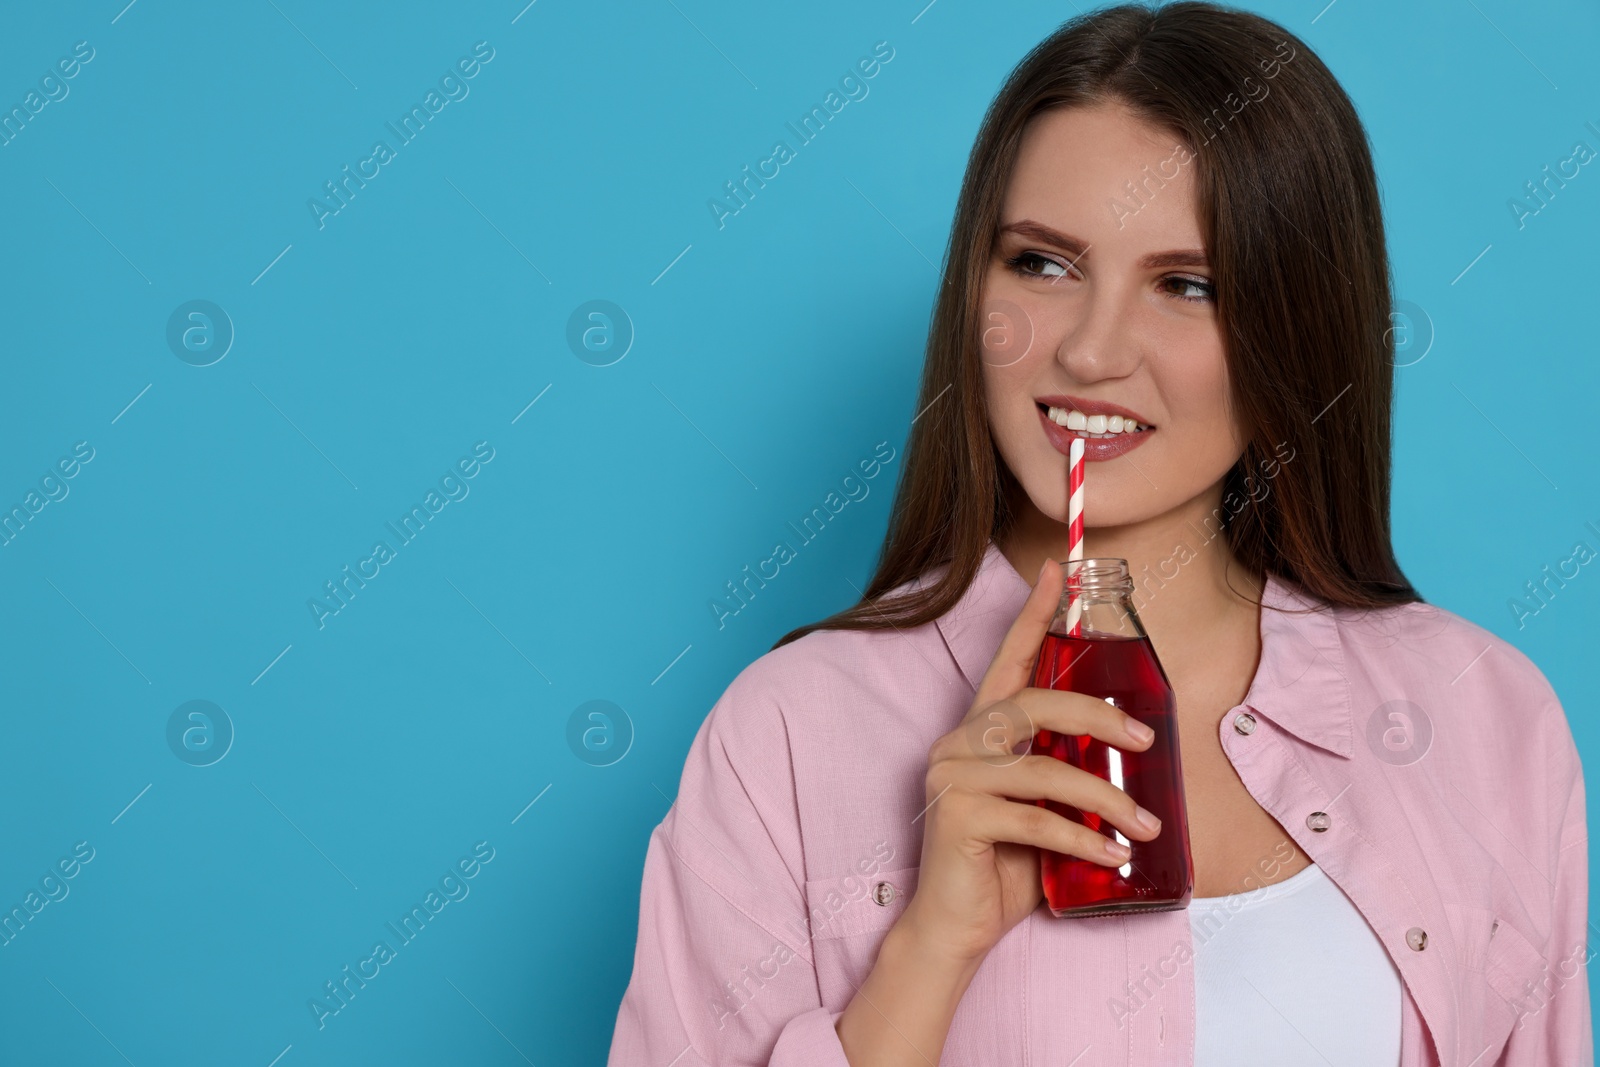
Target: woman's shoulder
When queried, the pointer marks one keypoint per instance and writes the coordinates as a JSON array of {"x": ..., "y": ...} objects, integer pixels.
[
  {"x": 1431, "y": 640},
  {"x": 829, "y": 672},
  {"x": 808, "y": 714},
  {"x": 1465, "y": 678},
  {"x": 829, "y": 663}
]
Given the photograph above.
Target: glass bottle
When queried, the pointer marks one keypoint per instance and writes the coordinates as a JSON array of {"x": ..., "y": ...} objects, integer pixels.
[{"x": 1096, "y": 645}]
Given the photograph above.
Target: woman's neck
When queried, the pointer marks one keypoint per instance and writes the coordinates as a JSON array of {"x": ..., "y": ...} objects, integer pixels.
[{"x": 1189, "y": 588}]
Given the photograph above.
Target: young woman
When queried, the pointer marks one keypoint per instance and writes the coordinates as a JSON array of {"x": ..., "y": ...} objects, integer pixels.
[{"x": 1169, "y": 241}]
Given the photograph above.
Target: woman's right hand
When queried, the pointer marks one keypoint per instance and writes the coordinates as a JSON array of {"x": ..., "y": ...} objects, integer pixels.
[{"x": 979, "y": 872}]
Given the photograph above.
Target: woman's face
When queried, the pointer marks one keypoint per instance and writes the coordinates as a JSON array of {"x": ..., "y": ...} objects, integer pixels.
[{"x": 1098, "y": 302}]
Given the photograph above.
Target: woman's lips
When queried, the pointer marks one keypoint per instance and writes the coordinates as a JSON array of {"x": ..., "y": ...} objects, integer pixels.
[{"x": 1094, "y": 448}]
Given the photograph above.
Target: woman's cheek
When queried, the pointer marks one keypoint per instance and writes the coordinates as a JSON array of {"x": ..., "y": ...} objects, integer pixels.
[
  {"x": 1215, "y": 442},
  {"x": 1006, "y": 334}
]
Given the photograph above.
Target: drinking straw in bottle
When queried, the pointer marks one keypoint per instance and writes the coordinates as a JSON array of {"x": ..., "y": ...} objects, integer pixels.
[
  {"x": 1074, "y": 522},
  {"x": 1097, "y": 645}
]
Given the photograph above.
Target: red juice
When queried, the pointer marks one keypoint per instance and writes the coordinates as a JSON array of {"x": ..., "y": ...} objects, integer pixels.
[{"x": 1158, "y": 874}]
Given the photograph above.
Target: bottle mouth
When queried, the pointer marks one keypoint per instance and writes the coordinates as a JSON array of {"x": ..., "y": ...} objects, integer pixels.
[{"x": 1098, "y": 575}]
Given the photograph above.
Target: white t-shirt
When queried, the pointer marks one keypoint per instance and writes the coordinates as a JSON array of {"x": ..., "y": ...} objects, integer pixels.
[{"x": 1292, "y": 973}]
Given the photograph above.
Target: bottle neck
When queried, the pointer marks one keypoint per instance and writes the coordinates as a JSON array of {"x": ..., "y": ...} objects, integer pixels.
[{"x": 1097, "y": 601}]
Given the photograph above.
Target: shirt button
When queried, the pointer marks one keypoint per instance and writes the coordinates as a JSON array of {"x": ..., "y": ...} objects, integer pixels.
[
  {"x": 1244, "y": 723},
  {"x": 1318, "y": 821},
  {"x": 1417, "y": 938},
  {"x": 883, "y": 894}
]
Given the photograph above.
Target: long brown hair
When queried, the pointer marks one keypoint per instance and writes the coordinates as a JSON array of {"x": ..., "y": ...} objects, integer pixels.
[{"x": 1293, "y": 228}]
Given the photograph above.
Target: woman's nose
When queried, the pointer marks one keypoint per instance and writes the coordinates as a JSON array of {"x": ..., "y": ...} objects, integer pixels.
[{"x": 1096, "y": 335}]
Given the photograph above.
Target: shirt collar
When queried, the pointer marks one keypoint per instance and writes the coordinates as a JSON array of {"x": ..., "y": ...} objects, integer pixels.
[{"x": 1300, "y": 682}]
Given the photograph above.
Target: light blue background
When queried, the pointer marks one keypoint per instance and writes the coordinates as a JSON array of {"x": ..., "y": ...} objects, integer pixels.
[{"x": 771, "y": 356}]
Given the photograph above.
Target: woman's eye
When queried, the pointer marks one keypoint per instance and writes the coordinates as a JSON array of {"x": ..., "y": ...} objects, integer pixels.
[
  {"x": 1191, "y": 289},
  {"x": 1023, "y": 263}
]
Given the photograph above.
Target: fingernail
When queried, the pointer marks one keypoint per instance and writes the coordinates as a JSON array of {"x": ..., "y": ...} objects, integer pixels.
[
  {"x": 1146, "y": 819},
  {"x": 1139, "y": 731},
  {"x": 1117, "y": 849}
]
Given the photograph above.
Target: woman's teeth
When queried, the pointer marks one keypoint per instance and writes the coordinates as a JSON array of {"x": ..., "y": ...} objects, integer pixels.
[{"x": 1094, "y": 425}]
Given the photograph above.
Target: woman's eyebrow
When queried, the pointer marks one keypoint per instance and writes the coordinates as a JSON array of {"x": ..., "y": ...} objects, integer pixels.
[
  {"x": 1039, "y": 231},
  {"x": 1182, "y": 257}
]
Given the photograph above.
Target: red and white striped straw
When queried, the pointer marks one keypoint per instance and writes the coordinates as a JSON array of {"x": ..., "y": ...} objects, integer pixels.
[{"x": 1074, "y": 523}]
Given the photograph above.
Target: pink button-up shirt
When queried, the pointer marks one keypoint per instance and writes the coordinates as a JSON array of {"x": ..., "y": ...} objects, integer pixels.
[{"x": 1457, "y": 829}]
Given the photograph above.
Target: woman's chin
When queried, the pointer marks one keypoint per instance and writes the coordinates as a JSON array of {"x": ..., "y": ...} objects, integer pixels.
[{"x": 1055, "y": 511}]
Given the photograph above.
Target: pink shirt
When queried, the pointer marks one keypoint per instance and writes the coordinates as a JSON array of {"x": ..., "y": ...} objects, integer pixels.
[{"x": 792, "y": 848}]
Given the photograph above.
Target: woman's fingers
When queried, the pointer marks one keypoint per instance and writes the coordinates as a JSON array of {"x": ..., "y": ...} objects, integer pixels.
[
  {"x": 1063, "y": 712},
  {"x": 996, "y": 819},
  {"x": 1007, "y": 681},
  {"x": 994, "y": 731},
  {"x": 1044, "y": 778},
  {"x": 979, "y": 788}
]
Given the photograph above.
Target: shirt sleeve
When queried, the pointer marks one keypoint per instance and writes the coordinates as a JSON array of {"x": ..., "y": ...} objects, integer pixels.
[
  {"x": 1554, "y": 1026},
  {"x": 722, "y": 970}
]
